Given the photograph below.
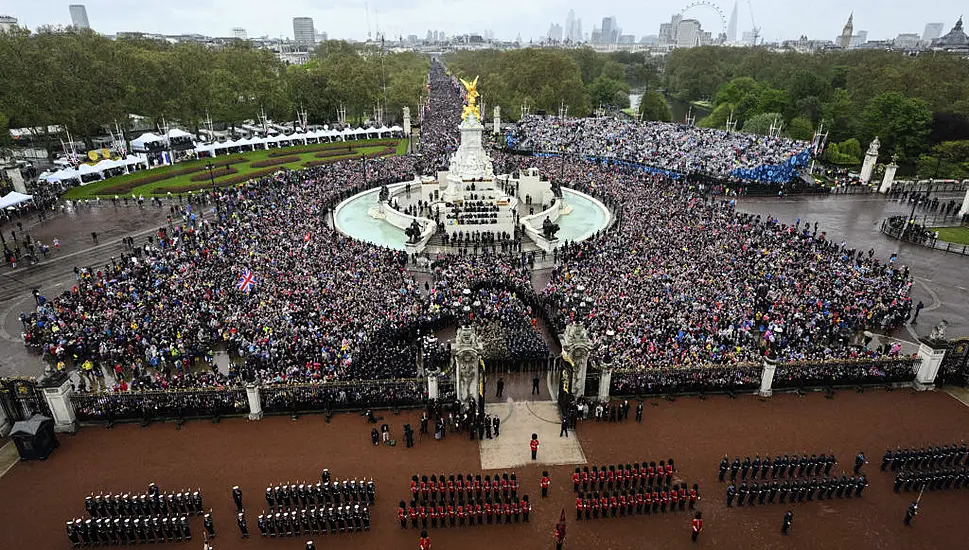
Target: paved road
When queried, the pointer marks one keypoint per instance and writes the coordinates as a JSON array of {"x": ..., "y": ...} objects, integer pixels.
[{"x": 941, "y": 279}]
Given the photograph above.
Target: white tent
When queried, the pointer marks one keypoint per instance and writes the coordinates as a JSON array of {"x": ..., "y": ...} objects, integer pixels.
[
  {"x": 396, "y": 128},
  {"x": 86, "y": 169},
  {"x": 63, "y": 175},
  {"x": 141, "y": 142},
  {"x": 132, "y": 160},
  {"x": 383, "y": 130},
  {"x": 176, "y": 133},
  {"x": 14, "y": 198}
]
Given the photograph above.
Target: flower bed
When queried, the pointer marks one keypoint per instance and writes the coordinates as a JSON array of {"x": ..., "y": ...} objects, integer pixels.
[{"x": 274, "y": 162}]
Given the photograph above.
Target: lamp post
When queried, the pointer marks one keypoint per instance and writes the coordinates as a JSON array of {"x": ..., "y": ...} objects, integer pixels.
[{"x": 211, "y": 167}]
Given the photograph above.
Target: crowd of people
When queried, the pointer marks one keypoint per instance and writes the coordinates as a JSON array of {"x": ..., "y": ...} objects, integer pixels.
[
  {"x": 685, "y": 293},
  {"x": 674, "y": 147}
]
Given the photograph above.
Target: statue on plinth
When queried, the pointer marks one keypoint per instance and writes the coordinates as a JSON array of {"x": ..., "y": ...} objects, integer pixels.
[
  {"x": 549, "y": 229},
  {"x": 471, "y": 109},
  {"x": 413, "y": 232},
  {"x": 384, "y": 193},
  {"x": 874, "y": 146}
]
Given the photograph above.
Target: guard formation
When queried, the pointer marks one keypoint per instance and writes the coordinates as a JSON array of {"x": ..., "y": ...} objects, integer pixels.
[
  {"x": 328, "y": 507},
  {"x": 924, "y": 458},
  {"x": 778, "y": 467},
  {"x": 465, "y": 499},
  {"x": 630, "y": 476},
  {"x": 630, "y": 489},
  {"x": 148, "y": 517},
  {"x": 798, "y": 490}
]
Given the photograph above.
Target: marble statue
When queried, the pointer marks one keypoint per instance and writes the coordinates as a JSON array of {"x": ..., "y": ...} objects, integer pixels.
[
  {"x": 874, "y": 146},
  {"x": 938, "y": 333}
]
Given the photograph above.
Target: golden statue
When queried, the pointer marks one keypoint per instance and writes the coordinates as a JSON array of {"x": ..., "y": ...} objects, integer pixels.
[{"x": 471, "y": 109}]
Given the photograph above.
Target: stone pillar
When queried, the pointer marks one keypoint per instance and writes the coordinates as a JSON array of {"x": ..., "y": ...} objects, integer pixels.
[
  {"x": 965, "y": 205},
  {"x": 432, "y": 391},
  {"x": 496, "y": 121},
  {"x": 255, "y": 401},
  {"x": 605, "y": 382},
  {"x": 466, "y": 353},
  {"x": 931, "y": 352},
  {"x": 576, "y": 347},
  {"x": 888, "y": 179},
  {"x": 767, "y": 378},
  {"x": 57, "y": 392},
  {"x": 871, "y": 157},
  {"x": 406, "y": 121}
]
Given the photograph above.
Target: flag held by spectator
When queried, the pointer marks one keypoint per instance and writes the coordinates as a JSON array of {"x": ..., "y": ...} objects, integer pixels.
[{"x": 246, "y": 281}]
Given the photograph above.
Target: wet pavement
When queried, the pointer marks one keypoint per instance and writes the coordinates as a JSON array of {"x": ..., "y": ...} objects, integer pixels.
[
  {"x": 72, "y": 227},
  {"x": 941, "y": 279}
]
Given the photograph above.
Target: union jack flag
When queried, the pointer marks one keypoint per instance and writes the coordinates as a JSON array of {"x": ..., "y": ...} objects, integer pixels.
[{"x": 247, "y": 281}]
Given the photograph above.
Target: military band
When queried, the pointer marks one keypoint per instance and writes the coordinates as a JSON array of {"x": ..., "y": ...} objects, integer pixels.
[
  {"x": 150, "y": 503},
  {"x": 122, "y": 531},
  {"x": 315, "y": 520},
  {"x": 285, "y": 497}
]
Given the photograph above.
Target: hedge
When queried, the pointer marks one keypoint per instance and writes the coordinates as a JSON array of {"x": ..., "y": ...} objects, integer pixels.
[{"x": 274, "y": 162}]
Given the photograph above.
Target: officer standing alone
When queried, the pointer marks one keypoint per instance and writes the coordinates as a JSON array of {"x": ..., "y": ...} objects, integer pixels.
[{"x": 788, "y": 520}]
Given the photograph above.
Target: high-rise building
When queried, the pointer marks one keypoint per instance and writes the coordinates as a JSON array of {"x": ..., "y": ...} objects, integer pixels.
[
  {"x": 845, "y": 40},
  {"x": 609, "y": 33},
  {"x": 732, "y": 25},
  {"x": 667, "y": 31},
  {"x": 555, "y": 33},
  {"x": 688, "y": 33},
  {"x": 932, "y": 31},
  {"x": 7, "y": 23},
  {"x": 240, "y": 33},
  {"x": 79, "y": 16},
  {"x": 303, "y": 32},
  {"x": 570, "y": 25}
]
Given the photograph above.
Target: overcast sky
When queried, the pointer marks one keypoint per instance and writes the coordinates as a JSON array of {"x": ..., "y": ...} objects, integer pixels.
[{"x": 779, "y": 19}]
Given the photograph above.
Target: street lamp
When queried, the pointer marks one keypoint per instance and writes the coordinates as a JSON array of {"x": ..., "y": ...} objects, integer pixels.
[{"x": 211, "y": 167}]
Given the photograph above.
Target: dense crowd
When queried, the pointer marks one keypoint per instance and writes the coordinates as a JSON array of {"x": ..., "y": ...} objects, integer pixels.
[
  {"x": 678, "y": 283},
  {"x": 673, "y": 147}
]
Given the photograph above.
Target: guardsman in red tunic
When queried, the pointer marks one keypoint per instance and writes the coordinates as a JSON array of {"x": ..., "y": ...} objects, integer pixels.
[
  {"x": 442, "y": 487},
  {"x": 656, "y": 500},
  {"x": 477, "y": 487},
  {"x": 422, "y": 512},
  {"x": 614, "y": 504},
  {"x": 674, "y": 498},
  {"x": 578, "y": 506},
  {"x": 596, "y": 505},
  {"x": 432, "y": 512},
  {"x": 424, "y": 488},
  {"x": 479, "y": 513},
  {"x": 697, "y": 525},
  {"x": 525, "y": 508},
  {"x": 515, "y": 511},
  {"x": 442, "y": 514},
  {"x": 425, "y": 541},
  {"x": 413, "y": 487},
  {"x": 506, "y": 511},
  {"x": 452, "y": 515},
  {"x": 604, "y": 504},
  {"x": 622, "y": 504},
  {"x": 412, "y": 512},
  {"x": 533, "y": 445},
  {"x": 611, "y": 477},
  {"x": 546, "y": 481},
  {"x": 432, "y": 486},
  {"x": 684, "y": 496},
  {"x": 585, "y": 479},
  {"x": 664, "y": 500},
  {"x": 461, "y": 515},
  {"x": 669, "y": 471},
  {"x": 648, "y": 500},
  {"x": 639, "y": 502},
  {"x": 402, "y": 515},
  {"x": 488, "y": 512},
  {"x": 651, "y": 474},
  {"x": 602, "y": 479},
  {"x": 694, "y": 496},
  {"x": 450, "y": 488}
]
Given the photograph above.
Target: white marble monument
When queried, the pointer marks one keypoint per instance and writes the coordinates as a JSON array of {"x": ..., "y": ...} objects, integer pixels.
[
  {"x": 467, "y": 351},
  {"x": 871, "y": 157}
]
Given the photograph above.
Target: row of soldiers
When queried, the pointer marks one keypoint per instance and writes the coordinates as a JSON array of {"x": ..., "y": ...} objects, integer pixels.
[
  {"x": 288, "y": 496},
  {"x": 797, "y": 490},
  {"x": 107, "y": 531},
  {"x": 440, "y": 488},
  {"x": 630, "y": 476},
  {"x": 475, "y": 512},
  {"x": 330, "y": 520},
  {"x": 629, "y": 502},
  {"x": 152, "y": 503},
  {"x": 935, "y": 480},
  {"x": 924, "y": 458},
  {"x": 778, "y": 467}
]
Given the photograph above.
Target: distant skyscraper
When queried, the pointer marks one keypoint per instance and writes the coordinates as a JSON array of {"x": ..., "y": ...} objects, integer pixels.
[
  {"x": 79, "y": 16},
  {"x": 932, "y": 31},
  {"x": 570, "y": 25},
  {"x": 303, "y": 32},
  {"x": 240, "y": 33},
  {"x": 688, "y": 33},
  {"x": 849, "y": 29},
  {"x": 609, "y": 31},
  {"x": 732, "y": 26},
  {"x": 555, "y": 33}
]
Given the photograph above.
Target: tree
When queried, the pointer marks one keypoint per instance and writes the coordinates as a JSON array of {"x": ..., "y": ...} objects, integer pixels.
[
  {"x": 800, "y": 128},
  {"x": 762, "y": 123},
  {"x": 608, "y": 91},
  {"x": 653, "y": 107},
  {"x": 901, "y": 123}
]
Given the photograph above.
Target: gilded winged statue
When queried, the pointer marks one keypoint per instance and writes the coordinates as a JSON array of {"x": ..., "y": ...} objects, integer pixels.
[{"x": 472, "y": 107}]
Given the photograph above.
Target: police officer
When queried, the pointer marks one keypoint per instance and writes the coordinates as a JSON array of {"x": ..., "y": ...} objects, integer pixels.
[
  {"x": 237, "y": 498},
  {"x": 788, "y": 520}
]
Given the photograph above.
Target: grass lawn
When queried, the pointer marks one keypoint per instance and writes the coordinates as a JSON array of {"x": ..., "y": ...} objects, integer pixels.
[
  {"x": 957, "y": 235},
  {"x": 179, "y": 178}
]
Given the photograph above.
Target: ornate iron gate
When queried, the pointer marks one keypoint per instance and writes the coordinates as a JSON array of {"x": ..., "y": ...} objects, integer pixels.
[
  {"x": 21, "y": 398},
  {"x": 955, "y": 366}
]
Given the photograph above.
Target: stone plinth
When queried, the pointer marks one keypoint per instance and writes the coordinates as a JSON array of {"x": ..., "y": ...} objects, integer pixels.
[
  {"x": 57, "y": 392},
  {"x": 576, "y": 348},
  {"x": 767, "y": 378},
  {"x": 466, "y": 351},
  {"x": 931, "y": 352},
  {"x": 255, "y": 402},
  {"x": 888, "y": 179},
  {"x": 605, "y": 382},
  {"x": 432, "y": 390},
  {"x": 965, "y": 205}
]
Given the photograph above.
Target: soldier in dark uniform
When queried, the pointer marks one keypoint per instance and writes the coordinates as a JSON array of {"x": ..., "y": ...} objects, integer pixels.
[
  {"x": 209, "y": 526},
  {"x": 753, "y": 494},
  {"x": 755, "y": 467},
  {"x": 860, "y": 461},
  {"x": 243, "y": 528},
  {"x": 785, "y": 489},
  {"x": 724, "y": 465},
  {"x": 788, "y": 520},
  {"x": 765, "y": 466},
  {"x": 237, "y": 498},
  {"x": 772, "y": 492},
  {"x": 745, "y": 468},
  {"x": 886, "y": 459},
  {"x": 742, "y": 494},
  {"x": 310, "y": 545},
  {"x": 911, "y": 512},
  {"x": 734, "y": 467},
  {"x": 860, "y": 485},
  {"x": 72, "y": 534}
]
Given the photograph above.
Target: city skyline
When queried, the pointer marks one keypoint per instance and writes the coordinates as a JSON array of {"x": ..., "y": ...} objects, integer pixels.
[{"x": 355, "y": 19}]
